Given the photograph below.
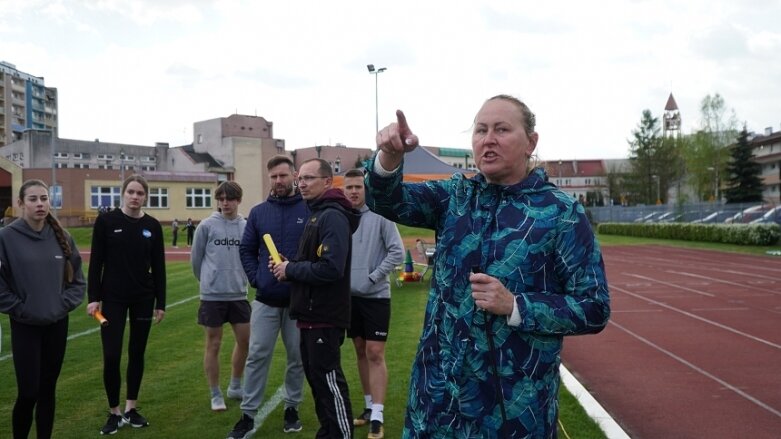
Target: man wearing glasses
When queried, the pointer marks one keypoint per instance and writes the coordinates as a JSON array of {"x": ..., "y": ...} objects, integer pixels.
[{"x": 320, "y": 294}]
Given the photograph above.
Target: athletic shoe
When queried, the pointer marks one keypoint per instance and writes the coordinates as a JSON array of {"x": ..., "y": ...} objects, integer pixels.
[
  {"x": 236, "y": 394},
  {"x": 242, "y": 428},
  {"x": 364, "y": 419},
  {"x": 292, "y": 423},
  {"x": 135, "y": 419},
  {"x": 376, "y": 431},
  {"x": 113, "y": 423},
  {"x": 218, "y": 403}
]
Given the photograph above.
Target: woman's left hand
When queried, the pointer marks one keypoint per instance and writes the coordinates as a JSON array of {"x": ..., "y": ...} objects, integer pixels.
[
  {"x": 159, "y": 314},
  {"x": 490, "y": 295}
]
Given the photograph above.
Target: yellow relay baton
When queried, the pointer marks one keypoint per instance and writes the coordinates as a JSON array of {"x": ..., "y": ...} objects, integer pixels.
[{"x": 272, "y": 249}]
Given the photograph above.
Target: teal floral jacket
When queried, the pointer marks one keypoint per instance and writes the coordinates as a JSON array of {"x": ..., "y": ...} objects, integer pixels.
[{"x": 538, "y": 242}]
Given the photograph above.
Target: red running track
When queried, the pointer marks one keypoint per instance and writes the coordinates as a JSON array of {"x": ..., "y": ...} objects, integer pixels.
[{"x": 693, "y": 347}]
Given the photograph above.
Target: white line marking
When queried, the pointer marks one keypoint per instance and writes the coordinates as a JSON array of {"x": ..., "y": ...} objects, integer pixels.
[
  {"x": 266, "y": 409},
  {"x": 699, "y": 370},
  {"x": 703, "y": 293},
  {"x": 96, "y": 329},
  {"x": 592, "y": 407},
  {"x": 696, "y": 317}
]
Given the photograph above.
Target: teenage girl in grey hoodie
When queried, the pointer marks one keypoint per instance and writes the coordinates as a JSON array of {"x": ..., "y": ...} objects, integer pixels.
[{"x": 40, "y": 283}]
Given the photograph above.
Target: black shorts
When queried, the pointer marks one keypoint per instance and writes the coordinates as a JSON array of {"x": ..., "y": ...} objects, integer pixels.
[
  {"x": 370, "y": 318},
  {"x": 214, "y": 314}
]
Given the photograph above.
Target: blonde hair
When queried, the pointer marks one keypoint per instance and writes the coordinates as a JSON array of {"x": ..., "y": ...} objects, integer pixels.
[{"x": 529, "y": 122}]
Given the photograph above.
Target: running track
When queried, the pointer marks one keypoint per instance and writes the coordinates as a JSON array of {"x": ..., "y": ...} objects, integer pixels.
[{"x": 693, "y": 347}]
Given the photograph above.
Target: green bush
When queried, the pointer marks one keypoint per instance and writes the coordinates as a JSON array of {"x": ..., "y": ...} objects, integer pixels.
[{"x": 740, "y": 234}]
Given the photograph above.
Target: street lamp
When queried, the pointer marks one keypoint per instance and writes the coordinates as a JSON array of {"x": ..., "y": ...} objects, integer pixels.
[
  {"x": 658, "y": 189},
  {"x": 376, "y": 73}
]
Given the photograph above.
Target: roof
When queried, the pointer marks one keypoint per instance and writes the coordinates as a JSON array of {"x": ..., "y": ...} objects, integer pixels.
[
  {"x": 671, "y": 105},
  {"x": 422, "y": 161}
]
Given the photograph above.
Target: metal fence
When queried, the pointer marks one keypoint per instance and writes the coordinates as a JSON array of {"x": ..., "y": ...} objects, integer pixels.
[{"x": 693, "y": 212}]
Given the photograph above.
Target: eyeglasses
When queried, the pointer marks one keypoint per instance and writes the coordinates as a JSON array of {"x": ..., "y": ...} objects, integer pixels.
[{"x": 309, "y": 178}]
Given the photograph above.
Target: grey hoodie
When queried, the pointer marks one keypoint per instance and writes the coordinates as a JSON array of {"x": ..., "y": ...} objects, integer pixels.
[
  {"x": 32, "y": 275},
  {"x": 215, "y": 258},
  {"x": 377, "y": 250}
]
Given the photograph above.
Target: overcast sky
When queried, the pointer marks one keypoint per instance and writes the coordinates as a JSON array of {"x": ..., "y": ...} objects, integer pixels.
[{"x": 142, "y": 71}]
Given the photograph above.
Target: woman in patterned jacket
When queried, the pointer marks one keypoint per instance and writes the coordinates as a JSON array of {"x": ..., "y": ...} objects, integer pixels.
[{"x": 517, "y": 268}]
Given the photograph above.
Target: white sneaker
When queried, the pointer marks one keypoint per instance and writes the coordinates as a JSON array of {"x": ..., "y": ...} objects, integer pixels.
[
  {"x": 236, "y": 394},
  {"x": 218, "y": 404}
]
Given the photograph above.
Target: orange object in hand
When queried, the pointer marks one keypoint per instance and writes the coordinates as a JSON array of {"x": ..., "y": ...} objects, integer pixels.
[{"x": 99, "y": 317}]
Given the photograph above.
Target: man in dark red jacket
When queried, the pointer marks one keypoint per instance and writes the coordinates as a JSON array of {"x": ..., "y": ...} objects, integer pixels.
[{"x": 320, "y": 294}]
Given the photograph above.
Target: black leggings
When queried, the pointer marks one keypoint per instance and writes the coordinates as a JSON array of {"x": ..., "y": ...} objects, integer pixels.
[
  {"x": 111, "y": 336},
  {"x": 38, "y": 352}
]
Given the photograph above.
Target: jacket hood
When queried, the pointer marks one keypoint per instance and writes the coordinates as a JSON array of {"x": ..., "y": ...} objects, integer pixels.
[
  {"x": 534, "y": 183},
  {"x": 292, "y": 199},
  {"x": 335, "y": 198},
  {"x": 22, "y": 227}
]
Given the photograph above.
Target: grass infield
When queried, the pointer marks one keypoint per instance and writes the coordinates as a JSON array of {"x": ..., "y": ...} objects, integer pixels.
[{"x": 174, "y": 394}]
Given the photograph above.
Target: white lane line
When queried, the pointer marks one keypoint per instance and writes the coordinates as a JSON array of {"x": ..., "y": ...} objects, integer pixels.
[
  {"x": 699, "y": 370},
  {"x": 266, "y": 409},
  {"x": 96, "y": 329},
  {"x": 692, "y": 290},
  {"x": 696, "y": 317},
  {"x": 592, "y": 407},
  {"x": 721, "y": 281}
]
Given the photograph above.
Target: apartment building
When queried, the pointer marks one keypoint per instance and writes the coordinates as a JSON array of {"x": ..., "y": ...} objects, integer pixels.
[
  {"x": 767, "y": 152},
  {"x": 25, "y": 103}
]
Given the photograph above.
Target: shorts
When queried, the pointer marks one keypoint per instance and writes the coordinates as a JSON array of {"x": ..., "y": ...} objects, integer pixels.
[
  {"x": 215, "y": 313},
  {"x": 370, "y": 318}
]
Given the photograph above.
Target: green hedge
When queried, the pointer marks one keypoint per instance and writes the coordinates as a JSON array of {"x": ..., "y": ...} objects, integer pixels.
[{"x": 740, "y": 234}]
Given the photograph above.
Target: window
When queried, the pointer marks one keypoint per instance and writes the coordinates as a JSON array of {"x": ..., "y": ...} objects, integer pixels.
[
  {"x": 81, "y": 166},
  {"x": 158, "y": 198},
  {"x": 62, "y": 165},
  {"x": 78, "y": 155},
  {"x": 61, "y": 155},
  {"x": 198, "y": 197},
  {"x": 105, "y": 167},
  {"x": 200, "y": 138},
  {"x": 129, "y": 158},
  {"x": 106, "y": 196},
  {"x": 147, "y": 168},
  {"x": 105, "y": 157}
]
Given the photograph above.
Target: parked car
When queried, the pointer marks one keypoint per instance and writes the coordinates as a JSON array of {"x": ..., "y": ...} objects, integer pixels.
[
  {"x": 771, "y": 216},
  {"x": 669, "y": 217},
  {"x": 647, "y": 218},
  {"x": 714, "y": 217},
  {"x": 749, "y": 214}
]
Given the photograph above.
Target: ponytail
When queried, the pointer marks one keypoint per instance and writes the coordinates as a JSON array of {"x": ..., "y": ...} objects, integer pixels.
[{"x": 62, "y": 239}]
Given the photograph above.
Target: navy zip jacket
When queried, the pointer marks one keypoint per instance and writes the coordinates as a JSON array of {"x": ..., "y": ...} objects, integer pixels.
[{"x": 284, "y": 219}]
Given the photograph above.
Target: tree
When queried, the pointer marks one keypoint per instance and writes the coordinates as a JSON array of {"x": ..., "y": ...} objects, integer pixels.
[
  {"x": 706, "y": 152},
  {"x": 654, "y": 162},
  {"x": 744, "y": 184}
]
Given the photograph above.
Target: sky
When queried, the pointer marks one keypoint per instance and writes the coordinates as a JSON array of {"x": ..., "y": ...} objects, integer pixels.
[{"x": 143, "y": 71}]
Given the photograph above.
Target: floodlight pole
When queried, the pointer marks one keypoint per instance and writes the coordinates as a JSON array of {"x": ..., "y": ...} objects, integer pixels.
[{"x": 376, "y": 73}]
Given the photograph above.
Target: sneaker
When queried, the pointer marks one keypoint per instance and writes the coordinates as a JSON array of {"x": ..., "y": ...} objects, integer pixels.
[
  {"x": 376, "y": 431},
  {"x": 218, "y": 403},
  {"x": 292, "y": 423},
  {"x": 242, "y": 428},
  {"x": 134, "y": 419},
  {"x": 113, "y": 423},
  {"x": 362, "y": 420},
  {"x": 236, "y": 394}
]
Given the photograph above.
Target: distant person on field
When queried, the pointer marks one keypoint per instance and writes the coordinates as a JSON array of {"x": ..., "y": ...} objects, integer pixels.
[
  {"x": 189, "y": 227},
  {"x": 283, "y": 216},
  {"x": 320, "y": 294},
  {"x": 40, "y": 283},
  {"x": 376, "y": 251},
  {"x": 174, "y": 232},
  {"x": 518, "y": 268},
  {"x": 126, "y": 280},
  {"x": 223, "y": 286}
]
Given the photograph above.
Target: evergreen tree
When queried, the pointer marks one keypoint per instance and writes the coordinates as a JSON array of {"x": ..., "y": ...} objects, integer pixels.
[
  {"x": 654, "y": 161},
  {"x": 744, "y": 184}
]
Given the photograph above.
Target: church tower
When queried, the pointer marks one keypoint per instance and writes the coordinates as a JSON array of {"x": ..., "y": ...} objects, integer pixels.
[{"x": 672, "y": 119}]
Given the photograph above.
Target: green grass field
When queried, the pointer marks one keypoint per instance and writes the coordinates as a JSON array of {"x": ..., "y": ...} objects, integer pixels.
[{"x": 174, "y": 395}]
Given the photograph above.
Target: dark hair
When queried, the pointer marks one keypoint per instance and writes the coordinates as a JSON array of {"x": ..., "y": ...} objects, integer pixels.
[
  {"x": 529, "y": 119},
  {"x": 137, "y": 178},
  {"x": 324, "y": 168},
  {"x": 354, "y": 173},
  {"x": 277, "y": 160},
  {"x": 59, "y": 232},
  {"x": 230, "y": 190}
]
